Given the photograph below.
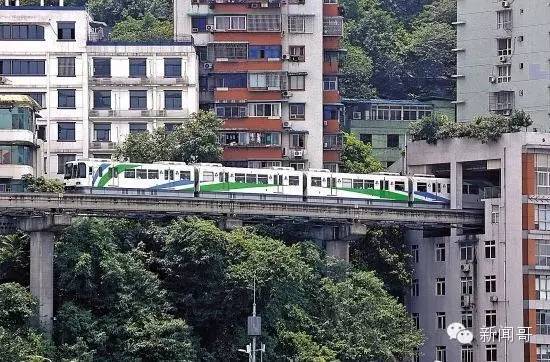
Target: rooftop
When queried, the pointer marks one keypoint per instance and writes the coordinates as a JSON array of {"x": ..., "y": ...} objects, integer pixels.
[{"x": 18, "y": 100}]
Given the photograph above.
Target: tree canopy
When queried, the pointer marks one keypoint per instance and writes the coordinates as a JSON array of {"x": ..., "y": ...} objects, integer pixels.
[
  {"x": 144, "y": 29},
  {"x": 357, "y": 156}
]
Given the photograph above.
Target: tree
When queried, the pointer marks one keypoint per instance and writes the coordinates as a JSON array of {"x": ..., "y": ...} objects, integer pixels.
[
  {"x": 145, "y": 29},
  {"x": 41, "y": 184},
  {"x": 356, "y": 74},
  {"x": 195, "y": 141},
  {"x": 357, "y": 156},
  {"x": 14, "y": 258},
  {"x": 113, "y": 11}
]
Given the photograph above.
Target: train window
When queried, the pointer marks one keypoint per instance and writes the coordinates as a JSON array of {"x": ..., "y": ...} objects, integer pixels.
[
  {"x": 369, "y": 184},
  {"x": 449, "y": 188},
  {"x": 185, "y": 175},
  {"x": 251, "y": 179},
  {"x": 239, "y": 177},
  {"x": 294, "y": 180},
  {"x": 141, "y": 174},
  {"x": 421, "y": 187},
  {"x": 81, "y": 170},
  {"x": 90, "y": 170},
  {"x": 316, "y": 181},
  {"x": 262, "y": 179},
  {"x": 357, "y": 184},
  {"x": 169, "y": 174},
  {"x": 130, "y": 174},
  {"x": 438, "y": 187},
  {"x": 153, "y": 174},
  {"x": 207, "y": 176},
  {"x": 68, "y": 169},
  {"x": 399, "y": 186},
  {"x": 346, "y": 183},
  {"x": 434, "y": 187}
]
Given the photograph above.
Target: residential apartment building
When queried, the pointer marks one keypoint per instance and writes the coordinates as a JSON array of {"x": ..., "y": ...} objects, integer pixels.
[
  {"x": 502, "y": 52},
  {"x": 494, "y": 280},
  {"x": 19, "y": 147},
  {"x": 269, "y": 68},
  {"x": 92, "y": 91}
]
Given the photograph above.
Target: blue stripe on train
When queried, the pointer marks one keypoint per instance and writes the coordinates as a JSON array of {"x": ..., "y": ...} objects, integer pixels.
[
  {"x": 172, "y": 184},
  {"x": 431, "y": 197},
  {"x": 99, "y": 171}
]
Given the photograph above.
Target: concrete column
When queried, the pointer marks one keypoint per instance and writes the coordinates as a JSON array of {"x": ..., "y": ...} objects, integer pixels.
[
  {"x": 338, "y": 249},
  {"x": 41, "y": 276},
  {"x": 230, "y": 224},
  {"x": 456, "y": 185}
]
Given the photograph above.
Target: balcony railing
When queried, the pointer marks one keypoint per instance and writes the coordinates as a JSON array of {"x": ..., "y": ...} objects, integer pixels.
[
  {"x": 124, "y": 81},
  {"x": 102, "y": 145}
]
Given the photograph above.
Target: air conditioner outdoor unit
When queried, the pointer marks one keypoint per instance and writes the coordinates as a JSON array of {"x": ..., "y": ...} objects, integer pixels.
[
  {"x": 294, "y": 58},
  {"x": 207, "y": 66},
  {"x": 3, "y": 80},
  {"x": 465, "y": 300},
  {"x": 286, "y": 94},
  {"x": 465, "y": 267},
  {"x": 210, "y": 28},
  {"x": 194, "y": 30},
  {"x": 298, "y": 153},
  {"x": 357, "y": 115},
  {"x": 284, "y": 57},
  {"x": 507, "y": 112},
  {"x": 287, "y": 124},
  {"x": 493, "y": 299},
  {"x": 506, "y": 4},
  {"x": 503, "y": 58},
  {"x": 520, "y": 38},
  {"x": 492, "y": 79}
]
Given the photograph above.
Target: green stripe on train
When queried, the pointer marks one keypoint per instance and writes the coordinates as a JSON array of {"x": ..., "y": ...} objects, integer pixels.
[
  {"x": 228, "y": 186},
  {"x": 118, "y": 169},
  {"x": 383, "y": 194}
]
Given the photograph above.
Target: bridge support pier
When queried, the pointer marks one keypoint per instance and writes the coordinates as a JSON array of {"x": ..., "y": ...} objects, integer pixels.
[
  {"x": 41, "y": 231},
  {"x": 336, "y": 238},
  {"x": 230, "y": 224}
]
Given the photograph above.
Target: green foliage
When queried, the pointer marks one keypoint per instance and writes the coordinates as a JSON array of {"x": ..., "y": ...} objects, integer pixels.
[
  {"x": 195, "y": 141},
  {"x": 356, "y": 74},
  {"x": 14, "y": 258},
  {"x": 357, "y": 156},
  {"x": 145, "y": 29},
  {"x": 484, "y": 128},
  {"x": 114, "y": 11},
  {"x": 41, "y": 184}
]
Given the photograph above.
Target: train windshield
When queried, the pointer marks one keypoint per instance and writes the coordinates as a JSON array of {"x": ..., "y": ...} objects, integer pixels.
[{"x": 73, "y": 170}]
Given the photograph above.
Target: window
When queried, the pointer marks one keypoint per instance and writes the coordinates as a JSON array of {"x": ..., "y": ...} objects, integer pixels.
[
  {"x": 138, "y": 99},
  {"x": 504, "y": 46},
  {"x": 172, "y": 67},
  {"x": 365, "y": 138},
  {"x": 230, "y": 23},
  {"x": 230, "y": 80},
  {"x": 66, "y": 131},
  {"x": 263, "y": 81},
  {"x": 542, "y": 169},
  {"x": 138, "y": 127},
  {"x": 66, "y": 67},
  {"x": 440, "y": 286},
  {"x": 467, "y": 353},
  {"x": 297, "y": 140},
  {"x": 467, "y": 318},
  {"x": 230, "y": 51},
  {"x": 330, "y": 83},
  {"x": 102, "y": 67},
  {"x": 495, "y": 214},
  {"x": 23, "y": 67},
  {"x": 102, "y": 132},
  {"x": 392, "y": 141},
  {"x": 491, "y": 318},
  {"x": 297, "y": 111},
  {"x": 504, "y": 73},
  {"x": 542, "y": 217},
  {"x": 138, "y": 68},
  {"x": 543, "y": 352},
  {"x": 263, "y": 22},
  {"x": 543, "y": 321},
  {"x": 441, "y": 353},
  {"x": 416, "y": 320},
  {"x": 414, "y": 253},
  {"x": 172, "y": 99},
  {"x": 467, "y": 252},
  {"x": 331, "y": 112},
  {"x": 265, "y": 110},
  {"x": 441, "y": 320},
  {"x": 466, "y": 285},
  {"x": 171, "y": 127},
  {"x": 66, "y": 98},
  {"x": 21, "y": 32},
  {"x": 440, "y": 252},
  {"x": 231, "y": 111},
  {"x": 490, "y": 249},
  {"x": 334, "y": 141},
  {"x": 543, "y": 252},
  {"x": 300, "y": 24},
  {"x": 66, "y": 30},
  {"x": 296, "y": 82},
  {"x": 491, "y": 352},
  {"x": 491, "y": 283},
  {"x": 504, "y": 19},
  {"x": 542, "y": 286},
  {"x": 414, "y": 288},
  {"x": 264, "y": 52},
  {"x": 501, "y": 102},
  {"x": 153, "y": 174},
  {"x": 102, "y": 99},
  {"x": 297, "y": 53},
  {"x": 62, "y": 159},
  {"x": 333, "y": 26}
]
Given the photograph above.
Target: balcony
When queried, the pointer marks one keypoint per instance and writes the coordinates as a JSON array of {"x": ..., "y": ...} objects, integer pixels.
[
  {"x": 127, "y": 81},
  {"x": 102, "y": 145},
  {"x": 138, "y": 113},
  {"x": 254, "y": 4}
]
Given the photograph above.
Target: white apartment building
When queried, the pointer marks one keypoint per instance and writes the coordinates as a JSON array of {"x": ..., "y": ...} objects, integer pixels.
[
  {"x": 93, "y": 91},
  {"x": 503, "y": 52}
]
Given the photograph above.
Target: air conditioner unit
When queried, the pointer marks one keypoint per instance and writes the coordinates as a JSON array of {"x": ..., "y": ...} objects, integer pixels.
[
  {"x": 287, "y": 124},
  {"x": 503, "y": 58},
  {"x": 298, "y": 153},
  {"x": 493, "y": 299},
  {"x": 286, "y": 94},
  {"x": 294, "y": 58},
  {"x": 492, "y": 79},
  {"x": 194, "y": 30},
  {"x": 284, "y": 57},
  {"x": 3, "y": 80},
  {"x": 210, "y": 28},
  {"x": 301, "y": 2},
  {"x": 207, "y": 66},
  {"x": 465, "y": 300},
  {"x": 520, "y": 38},
  {"x": 357, "y": 115},
  {"x": 506, "y": 4},
  {"x": 465, "y": 267},
  {"x": 507, "y": 113}
]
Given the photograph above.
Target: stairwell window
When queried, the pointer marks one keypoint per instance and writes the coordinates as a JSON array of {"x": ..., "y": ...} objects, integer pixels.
[
  {"x": 504, "y": 19},
  {"x": 66, "y": 30},
  {"x": 102, "y": 132},
  {"x": 504, "y": 46},
  {"x": 543, "y": 252},
  {"x": 542, "y": 286},
  {"x": 297, "y": 111},
  {"x": 66, "y": 67},
  {"x": 330, "y": 83},
  {"x": 542, "y": 217},
  {"x": 300, "y": 24},
  {"x": 490, "y": 318},
  {"x": 543, "y": 352},
  {"x": 504, "y": 73},
  {"x": 543, "y": 321},
  {"x": 490, "y": 283},
  {"x": 440, "y": 286},
  {"x": 296, "y": 82},
  {"x": 440, "y": 252}
]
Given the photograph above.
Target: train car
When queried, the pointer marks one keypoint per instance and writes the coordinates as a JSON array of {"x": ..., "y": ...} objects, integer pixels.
[
  {"x": 215, "y": 178},
  {"x": 92, "y": 174},
  {"x": 430, "y": 189},
  {"x": 378, "y": 186}
]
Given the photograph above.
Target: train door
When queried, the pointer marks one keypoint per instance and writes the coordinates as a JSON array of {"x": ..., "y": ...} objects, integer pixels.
[
  {"x": 384, "y": 185},
  {"x": 114, "y": 182},
  {"x": 331, "y": 183},
  {"x": 278, "y": 182}
]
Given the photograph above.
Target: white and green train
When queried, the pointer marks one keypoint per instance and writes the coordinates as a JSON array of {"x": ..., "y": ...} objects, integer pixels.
[{"x": 176, "y": 179}]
